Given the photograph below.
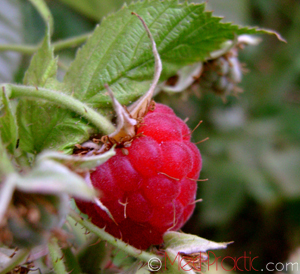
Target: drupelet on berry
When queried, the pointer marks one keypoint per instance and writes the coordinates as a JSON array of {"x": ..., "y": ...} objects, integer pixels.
[{"x": 150, "y": 186}]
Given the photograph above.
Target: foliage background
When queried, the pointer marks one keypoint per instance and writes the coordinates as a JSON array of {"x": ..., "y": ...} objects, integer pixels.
[{"x": 253, "y": 155}]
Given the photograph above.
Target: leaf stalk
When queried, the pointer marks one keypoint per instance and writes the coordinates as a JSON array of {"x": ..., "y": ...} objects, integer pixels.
[
  {"x": 132, "y": 251},
  {"x": 59, "y": 45},
  {"x": 62, "y": 100}
]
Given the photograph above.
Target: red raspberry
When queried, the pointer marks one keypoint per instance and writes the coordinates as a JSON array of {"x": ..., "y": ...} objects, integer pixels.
[{"x": 152, "y": 189}]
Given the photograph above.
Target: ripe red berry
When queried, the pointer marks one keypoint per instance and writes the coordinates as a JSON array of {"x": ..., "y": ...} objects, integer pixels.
[{"x": 153, "y": 188}]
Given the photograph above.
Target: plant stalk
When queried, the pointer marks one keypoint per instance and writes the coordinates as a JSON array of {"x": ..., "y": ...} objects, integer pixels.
[
  {"x": 63, "y": 100},
  {"x": 132, "y": 251},
  {"x": 59, "y": 45}
]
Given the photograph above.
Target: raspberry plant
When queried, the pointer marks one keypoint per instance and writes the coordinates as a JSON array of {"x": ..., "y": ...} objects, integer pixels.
[{"x": 135, "y": 179}]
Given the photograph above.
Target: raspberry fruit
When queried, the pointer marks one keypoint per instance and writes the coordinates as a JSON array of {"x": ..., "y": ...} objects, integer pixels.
[{"x": 151, "y": 188}]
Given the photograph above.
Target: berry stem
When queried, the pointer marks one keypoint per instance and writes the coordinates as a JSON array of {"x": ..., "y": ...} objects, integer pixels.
[
  {"x": 139, "y": 254},
  {"x": 63, "y": 100}
]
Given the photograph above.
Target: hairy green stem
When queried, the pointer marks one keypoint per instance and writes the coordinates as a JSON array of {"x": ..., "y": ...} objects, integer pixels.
[
  {"x": 15, "y": 261},
  {"x": 25, "y": 49},
  {"x": 132, "y": 251},
  {"x": 59, "y": 45},
  {"x": 63, "y": 100},
  {"x": 56, "y": 257},
  {"x": 71, "y": 42}
]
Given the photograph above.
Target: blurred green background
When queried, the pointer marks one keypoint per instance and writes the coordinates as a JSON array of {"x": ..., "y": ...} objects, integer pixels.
[{"x": 252, "y": 158}]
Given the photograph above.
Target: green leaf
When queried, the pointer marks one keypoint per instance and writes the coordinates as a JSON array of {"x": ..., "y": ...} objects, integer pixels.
[
  {"x": 178, "y": 244},
  {"x": 43, "y": 65},
  {"x": 78, "y": 163},
  {"x": 71, "y": 262},
  {"x": 49, "y": 177},
  {"x": 119, "y": 52},
  {"x": 175, "y": 264},
  {"x": 8, "y": 125},
  {"x": 44, "y": 125},
  {"x": 94, "y": 255},
  {"x": 188, "y": 243}
]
